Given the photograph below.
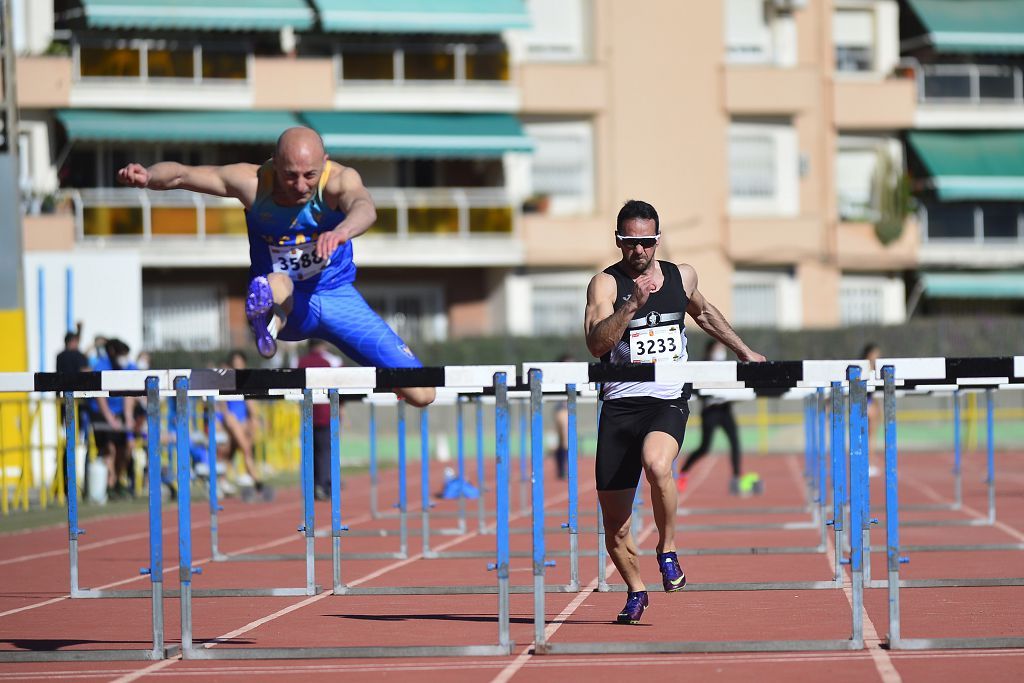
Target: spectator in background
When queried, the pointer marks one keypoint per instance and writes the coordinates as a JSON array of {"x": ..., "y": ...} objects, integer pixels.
[
  {"x": 70, "y": 360},
  {"x": 99, "y": 348},
  {"x": 715, "y": 412},
  {"x": 110, "y": 417},
  {"x": 871, "y": 353},
  {"x": 561, "y": 452},
  {"x": 317, "y": 356},
  {"x": 237, "y": 418}
]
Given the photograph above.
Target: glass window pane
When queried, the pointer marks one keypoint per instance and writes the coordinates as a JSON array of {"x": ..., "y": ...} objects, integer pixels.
[
  {"x": 951, "y": 221},
  {"x": 487, "y": 65},
  {"x": 105, "y": 221},
  {"x": 1001, "y": 221},
  {"x": 996, "y": 85},
  {"x": 433, "y": 220},
  {"x": 491, "y": 220},
  {"x": 173, "y": 220},
  {"x": 754, "y": 304},
  {"x": 752, "y": 166},
  {"x": 947, "y": 86},
  {"x": 387, "y": 220},
  {"x": 227, "y": 65},
  {"x": 363, "y": 65},
  {"x": 225, "y": 220},
  {"x": 171, "y": 64},
  {"x": 109, "y": 62},
  {"x": 429, "y": 66}
]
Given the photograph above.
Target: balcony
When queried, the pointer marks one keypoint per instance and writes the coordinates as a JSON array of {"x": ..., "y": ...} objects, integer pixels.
[
  {"x": 986, "y": 234},
  {"x": 767, "y": 90},
  {"x": 874, "y": 104},
  {"x": 431, "y": 226},
  {"x": 970, "y": 95}
]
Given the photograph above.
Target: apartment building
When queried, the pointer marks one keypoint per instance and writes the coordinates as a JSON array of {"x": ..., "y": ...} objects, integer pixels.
[{"x": 499, "y": 140}]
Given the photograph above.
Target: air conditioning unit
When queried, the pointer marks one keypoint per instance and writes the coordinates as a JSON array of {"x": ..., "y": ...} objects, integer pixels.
[{"x": 788, "y": 5}]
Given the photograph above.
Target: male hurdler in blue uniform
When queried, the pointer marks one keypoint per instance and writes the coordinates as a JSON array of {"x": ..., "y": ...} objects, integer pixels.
[{"x": 302, "y": 211}]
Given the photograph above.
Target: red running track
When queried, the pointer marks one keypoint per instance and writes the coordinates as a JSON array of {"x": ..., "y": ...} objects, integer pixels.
[{"x": 36, "y": 614}]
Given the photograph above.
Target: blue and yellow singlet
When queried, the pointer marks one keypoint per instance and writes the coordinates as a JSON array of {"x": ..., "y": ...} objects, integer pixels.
[{"x": 282, "y": 239}]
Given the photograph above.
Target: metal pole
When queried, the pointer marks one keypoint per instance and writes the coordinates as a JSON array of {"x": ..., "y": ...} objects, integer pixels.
[
  {"x": 211, "y": 456},
  {"x": 537, "y": 481},
  {"x": 838, "y": 475},
  {"x": 481, "y": 514},
  {"x": 336, "y": 527},
  {"x": 308, "y": 515},
  {"x": 602, "y": 580},
  {"x": 990, "y": 436},
  {"x": 858, "y": 462},
  {"x": 460, "y": 432},
  {"x": 501, "y": 502},
  {"x": 524, "y": 408},
  {"x": 957, "y": 452},
  {"x": 573, "y": 472},
  {"x": 425, "y": 478},
  {"x": 71, "y": 466},
  {"x": 403, "y": 529},
  {"x": 184, "y": 510},
  {"x": 892, "y": 528},
  {"x": 374, "y": 512},
  {"x": 156, "y": 534},
  {"x": 819, "y": 401},
  {"x": 41, "y": 303}
]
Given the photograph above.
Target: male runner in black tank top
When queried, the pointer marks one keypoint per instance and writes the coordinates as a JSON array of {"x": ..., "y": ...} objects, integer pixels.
[{"x": 642, "y": 424}]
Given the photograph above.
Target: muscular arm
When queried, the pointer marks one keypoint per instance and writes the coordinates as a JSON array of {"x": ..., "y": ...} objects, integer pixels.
[
  {"x": 345, "y": 191},
  {"x": 710, "y": 319},
  {"x": 234, "y": 180},
  {"x": 604, "y": 326}
]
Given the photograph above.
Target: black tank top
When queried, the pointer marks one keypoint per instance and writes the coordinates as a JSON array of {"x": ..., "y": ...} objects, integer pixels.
[{"x": 667, "y": 306}]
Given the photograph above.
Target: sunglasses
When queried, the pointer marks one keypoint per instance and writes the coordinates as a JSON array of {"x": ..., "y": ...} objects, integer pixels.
[{"x": 645, "y": 242}]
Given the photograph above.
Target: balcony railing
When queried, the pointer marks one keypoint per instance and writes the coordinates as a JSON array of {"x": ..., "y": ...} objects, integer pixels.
[
  {"x": 995, "y": 224},
  {"x": 130, "y": 214},
  {"x": 970, "y": 84}
]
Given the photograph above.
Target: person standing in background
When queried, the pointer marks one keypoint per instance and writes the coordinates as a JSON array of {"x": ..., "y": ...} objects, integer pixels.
[{"x": 317, "y": 356}]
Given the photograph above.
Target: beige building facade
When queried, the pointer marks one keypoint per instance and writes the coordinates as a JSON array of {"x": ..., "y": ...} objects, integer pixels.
[{"x": 754, "y": 126}]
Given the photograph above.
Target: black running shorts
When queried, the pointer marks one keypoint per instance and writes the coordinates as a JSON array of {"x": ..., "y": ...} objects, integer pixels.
[{"x": 625, "y": 423}]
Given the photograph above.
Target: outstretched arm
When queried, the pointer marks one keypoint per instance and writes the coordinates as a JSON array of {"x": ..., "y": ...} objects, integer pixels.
[
  {"x": 346, "y": 192},
  {"x": 234, "y": 180},
  {"x": 711, "y": 319}
]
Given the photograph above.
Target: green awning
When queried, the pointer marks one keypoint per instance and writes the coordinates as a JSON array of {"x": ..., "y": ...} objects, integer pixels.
[
  {"x": 203, "y": 15},
  {"x": 995, "y": 285},
  {"x": 422, "y": 16},
  {"x": 973, "y": 166},
  {"x": 224, "y": 127},
  {"x": 419, "y": 135},
  {"x": 978, "y": 26}
]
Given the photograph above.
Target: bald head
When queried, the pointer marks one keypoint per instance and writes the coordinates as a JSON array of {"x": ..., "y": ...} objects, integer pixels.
[{"x": 299, "y": 161}]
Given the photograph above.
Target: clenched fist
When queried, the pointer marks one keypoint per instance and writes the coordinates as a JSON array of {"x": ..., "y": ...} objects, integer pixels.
[{"x": 133, "y": 175}]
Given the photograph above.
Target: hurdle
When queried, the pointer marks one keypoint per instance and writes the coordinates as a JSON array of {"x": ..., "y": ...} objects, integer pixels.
[
  {"x": 379, "y": 378},
  {"x": 894, "y": 559},
  {"x": 767, "y": 373}
]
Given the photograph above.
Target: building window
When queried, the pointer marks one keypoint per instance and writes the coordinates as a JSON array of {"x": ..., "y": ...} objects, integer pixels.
[
  {"x": 558, "y": 31},
  {"x": 368, "y": 64},
  {"x": 415, "y": 313},
  {"x": 853, "y": 33},
  {"x": 871, "y": 300},
  {"x": 562, "y": 165},
  {"x": 186, "y": 317},
  {"x": 858, "y": 163},
  {"x": 766, "y": 298},
  {"x": 748, "y": 36},
  {"x": 762, "y": 169},
  {"x": 161, "y": 60},
  {"x": 996, "y": 222},
  {"x": 556, "y": 303}
]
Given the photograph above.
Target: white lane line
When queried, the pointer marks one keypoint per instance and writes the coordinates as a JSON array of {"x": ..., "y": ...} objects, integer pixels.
[
  {"x": 316, "y": 598},
  {"x": 524, "y": 655},
  {"x": 872, "y": 642},
  {"x": 169, "y": 530},
  {"x": 934, "y": 495}
]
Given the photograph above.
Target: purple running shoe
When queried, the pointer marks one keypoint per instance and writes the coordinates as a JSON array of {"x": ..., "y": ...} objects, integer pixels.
[
  {"x": 258, "y": 304},
  {"x": 672, "y": 576},
  {"x": 636, "y": 603}
]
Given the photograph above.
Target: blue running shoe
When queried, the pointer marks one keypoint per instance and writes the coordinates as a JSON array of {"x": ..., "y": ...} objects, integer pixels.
[
  {"x": 636, "y": 603},
  {"x": 672, "y": 576},
  {"x": 258, "y": 304}
]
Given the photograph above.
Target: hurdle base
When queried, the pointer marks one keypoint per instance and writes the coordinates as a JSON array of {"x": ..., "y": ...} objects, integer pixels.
[
  {"x": 955, "y": 643},
  {"x": 678, "y": 647},
  {"x": 351, "y": 652},
  {"x": 950, "y": 583},
  {"x": 88, "y": 655},
  {"x": 738, "y": 586}
]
